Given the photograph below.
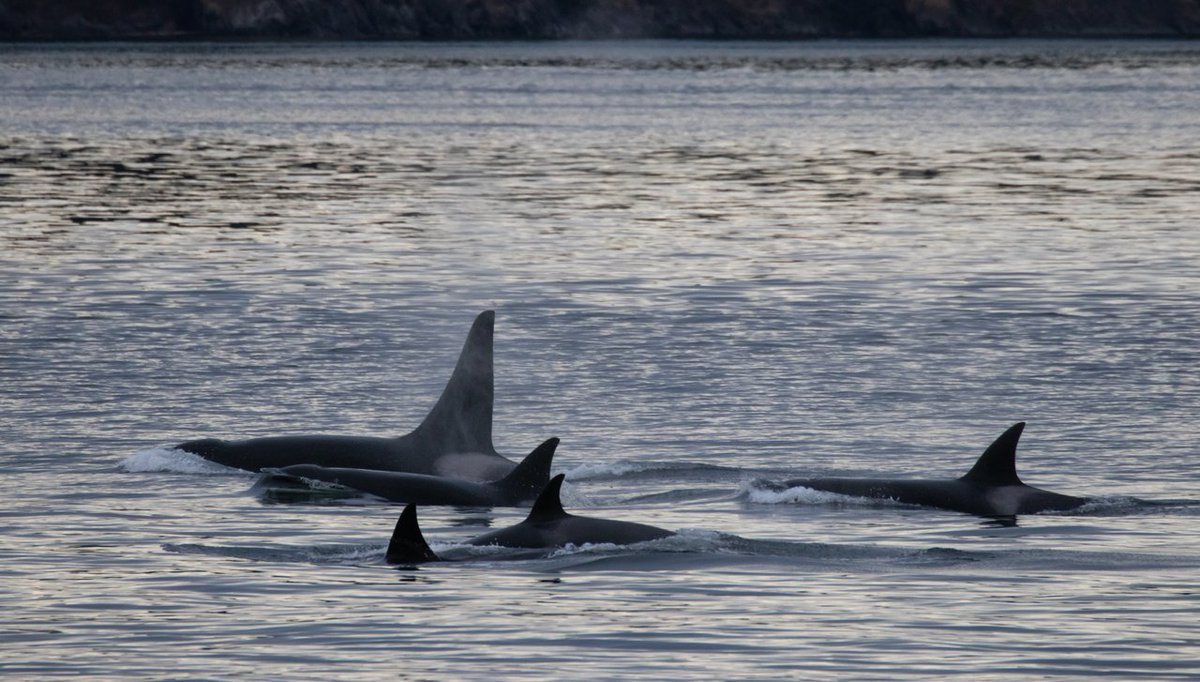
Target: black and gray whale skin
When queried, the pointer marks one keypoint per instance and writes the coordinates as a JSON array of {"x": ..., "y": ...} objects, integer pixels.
[
  {"x": 991, "y": 488},
  {"x": 455, "y": 439},
  {"x": 518, "y": 488},
  {"x": 547, "y": 526}
]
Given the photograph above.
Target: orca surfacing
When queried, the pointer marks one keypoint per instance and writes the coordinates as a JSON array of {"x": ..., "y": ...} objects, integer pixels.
[
  {"x": 516, "y": 489},
  {"x": 547, "y": 526},
  {"x": 990, "y": 488},
  {"x": 455, "y": 438}
]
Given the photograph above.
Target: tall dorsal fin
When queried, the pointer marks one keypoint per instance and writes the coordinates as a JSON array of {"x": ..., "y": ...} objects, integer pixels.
[
  {"x": 461, "y": 421},
  {"x": 532, "y": 474},
  {"x": 998, "y": 464},
  {"x": 408, "y": 544},
  {"x": 548, "y": 505}
]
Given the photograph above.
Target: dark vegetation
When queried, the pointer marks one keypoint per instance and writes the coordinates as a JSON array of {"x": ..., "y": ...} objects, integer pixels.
[{"x": 589, "y": 19}]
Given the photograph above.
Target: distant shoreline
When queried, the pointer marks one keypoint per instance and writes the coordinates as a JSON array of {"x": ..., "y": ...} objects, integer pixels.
[
  {"x": 191, "y": 38},
  {"x": 37, "y": 21}
]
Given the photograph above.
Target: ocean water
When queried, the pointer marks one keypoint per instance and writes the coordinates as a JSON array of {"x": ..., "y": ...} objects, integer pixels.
[{"x": 713, "y": 266}]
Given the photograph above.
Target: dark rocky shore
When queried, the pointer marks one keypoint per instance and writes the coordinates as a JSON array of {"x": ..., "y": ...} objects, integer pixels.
[{"x": 589, "y": 19}]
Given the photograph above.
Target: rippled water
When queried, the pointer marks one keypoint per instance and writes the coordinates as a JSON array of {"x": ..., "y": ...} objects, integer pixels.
[{"x": 711, "y": 264}]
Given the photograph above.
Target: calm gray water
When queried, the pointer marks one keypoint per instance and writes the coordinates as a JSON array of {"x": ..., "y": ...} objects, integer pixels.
[{"x": 712, "y": 264}]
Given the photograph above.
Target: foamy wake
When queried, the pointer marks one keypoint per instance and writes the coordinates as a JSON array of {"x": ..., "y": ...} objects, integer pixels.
[
  {"x": 587, "y": 547},
  {"x": 170, "y": 459},
  {"x": 605, "y": 469},
  {"x": 761, "y": 492},
  {"x": 1114, "y": 505},
  {"x": 689, "y": 540}
]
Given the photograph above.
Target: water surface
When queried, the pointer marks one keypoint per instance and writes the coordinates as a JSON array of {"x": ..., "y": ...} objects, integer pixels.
[{"x": 711, "y": 264}]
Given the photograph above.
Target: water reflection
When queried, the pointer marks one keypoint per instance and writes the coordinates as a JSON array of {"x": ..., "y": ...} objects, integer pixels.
[
  {"x": 287, "y": 490},
  {"x": 999, "y": 522},
  {"x": 469, "y": 518}
]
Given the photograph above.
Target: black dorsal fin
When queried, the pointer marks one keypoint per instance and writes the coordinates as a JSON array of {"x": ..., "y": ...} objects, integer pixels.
[
  {"x": 548, "y": 505},
  {"x": 998, "y": 464},
  {"x": 408, "y": 544},
  {"x": 461, "y": 421},
  {"x": 532, "y": 474}
]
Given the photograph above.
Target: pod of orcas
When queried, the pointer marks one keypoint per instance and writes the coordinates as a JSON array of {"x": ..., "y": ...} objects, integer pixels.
[
  {"x": 449, "y": 459},
  {"x": 991, "y": 489}
]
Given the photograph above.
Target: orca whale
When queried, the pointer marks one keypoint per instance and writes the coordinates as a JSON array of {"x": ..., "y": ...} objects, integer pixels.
[
  {"x": 519, "y": 487},
  {"x": 455, "y": 438},
  {"x": 990, "y": 488},
  {"x": 547, "y": 526}
]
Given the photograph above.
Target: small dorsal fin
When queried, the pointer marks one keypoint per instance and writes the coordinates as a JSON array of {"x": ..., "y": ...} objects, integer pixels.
[
  {"x": 532, "y": 474},
  {"x": 548, "y": 505},
  {"x": 461, "y": 421},
  {"x": 408, "y": 544},
  {"x": 998, "y": 464}
]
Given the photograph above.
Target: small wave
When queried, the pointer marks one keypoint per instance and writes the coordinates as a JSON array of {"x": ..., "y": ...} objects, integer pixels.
[
  {"x": 484, "y": 554},
  {"x": 1110, "y": 505},
  {"x": 942, "y": 556},
  {"x": 319, "y": 554},
  {"x": 1120, "y": 505},
  {"x": 626, "y": 467},
  {"x": 684, "y": 541},
  {"x": 683, "y": 495},
  {"x": 766, "y": 492},
  {"x": 170, "y": 459},
  {"x": 587, "y": 547}
]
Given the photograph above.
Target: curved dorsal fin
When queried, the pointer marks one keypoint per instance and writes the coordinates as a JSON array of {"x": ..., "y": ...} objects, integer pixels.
[
  {"x": 548, "y": 505},
  {"x": 532, "y": 474},
  {"x": 998, "y": 464},
  {"x": 461, "y": 421},
  {"x": 408, "y": 544}
]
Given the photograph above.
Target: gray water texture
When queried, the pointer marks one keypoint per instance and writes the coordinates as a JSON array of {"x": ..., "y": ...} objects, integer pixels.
[{"x": 714, "y": 265}]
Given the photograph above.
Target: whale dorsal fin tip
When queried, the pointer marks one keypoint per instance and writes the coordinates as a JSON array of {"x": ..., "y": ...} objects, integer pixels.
[
  {"x": 548, "y": 505},
  {"x": 997, "y": 465},
  {"x": 532, "y": 473}
]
